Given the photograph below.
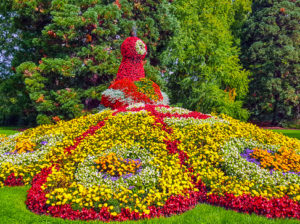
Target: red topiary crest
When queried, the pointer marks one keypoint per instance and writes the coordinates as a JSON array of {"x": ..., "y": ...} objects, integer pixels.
[{"x": 133, "y": 51}]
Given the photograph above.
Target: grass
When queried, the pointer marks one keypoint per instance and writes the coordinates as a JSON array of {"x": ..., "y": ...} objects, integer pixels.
[
  {"x": 290, "y": 133},
  {"x": 13, "y": 208},
  {"x": 8, "y": 130}
]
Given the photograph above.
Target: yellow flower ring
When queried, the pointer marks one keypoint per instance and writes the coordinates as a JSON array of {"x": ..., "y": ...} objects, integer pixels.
[{"x": 146, "y": 161}]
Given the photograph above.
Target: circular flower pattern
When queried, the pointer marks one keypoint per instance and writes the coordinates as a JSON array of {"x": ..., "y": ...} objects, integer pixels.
[
  {"x": 144, "y": 161},
  {"x": 132, "y": 165}
]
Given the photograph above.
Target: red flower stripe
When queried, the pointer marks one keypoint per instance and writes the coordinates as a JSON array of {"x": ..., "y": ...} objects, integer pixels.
[
  {"x": 36, "y": 199},
  {"x": 272, "y": 208},
  {"x": 90, "y": 131},
  {"x": 12, "y": 181},
  {"x": 172, "y": 147}
]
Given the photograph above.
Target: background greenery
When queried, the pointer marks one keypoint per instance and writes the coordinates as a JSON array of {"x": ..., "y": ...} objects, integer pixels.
[
  {"x": 211, "y": 56},
  {"x": 203, "y": 68},
  {"x": 270, "y": 50},
  {"x": 73, "y": 52}
]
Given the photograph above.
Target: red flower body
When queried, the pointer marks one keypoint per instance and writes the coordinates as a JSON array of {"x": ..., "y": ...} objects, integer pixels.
[{"x": 132, "y": 62}]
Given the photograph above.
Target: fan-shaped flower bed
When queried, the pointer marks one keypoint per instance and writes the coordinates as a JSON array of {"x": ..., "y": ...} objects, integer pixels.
[{"x": 145, "y": 161}]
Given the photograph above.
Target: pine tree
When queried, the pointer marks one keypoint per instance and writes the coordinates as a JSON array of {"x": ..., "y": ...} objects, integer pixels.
[
  {"x": 271, "y": 50},
  {"x": 76, "y": 48}
]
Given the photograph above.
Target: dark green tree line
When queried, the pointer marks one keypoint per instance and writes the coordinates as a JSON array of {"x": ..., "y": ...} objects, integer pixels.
[{"x": 271, "y": 50}]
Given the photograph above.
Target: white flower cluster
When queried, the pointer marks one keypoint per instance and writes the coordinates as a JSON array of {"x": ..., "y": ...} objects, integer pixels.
[
  {"x": 8, "y": 144},
  {"x": 117, "y": 95},
  {"x": 88, "y": 176},
  {"x": 172, "y": 110},
  {"x": 135, "y": 105},
  {"x": 28, "y": 158},
  {"x": 182, "y": 122},
  {"x": 165, "y": 100},
  {"x": 140, "y": 47},
  {"x": 234, "y": 165}
]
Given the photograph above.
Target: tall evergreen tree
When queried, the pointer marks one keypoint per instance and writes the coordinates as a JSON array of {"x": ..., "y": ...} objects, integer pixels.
[
  {"x": 75, "y": 48},
  {"x": 271, "y": 50},
  {"x": 204, "y": 70},
  {"x": 15, "y": 105}
]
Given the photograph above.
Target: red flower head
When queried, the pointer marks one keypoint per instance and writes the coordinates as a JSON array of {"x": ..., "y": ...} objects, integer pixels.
[{"x": 134, "y": 50}]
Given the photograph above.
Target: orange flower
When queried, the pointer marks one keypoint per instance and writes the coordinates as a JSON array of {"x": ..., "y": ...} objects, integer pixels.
[
  {"x": 56, "y": 119},
  {"x": 284, "y": 160}
]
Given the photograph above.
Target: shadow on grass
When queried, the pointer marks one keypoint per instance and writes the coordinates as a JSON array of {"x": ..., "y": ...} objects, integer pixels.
[{"x": 13, "y": 211}]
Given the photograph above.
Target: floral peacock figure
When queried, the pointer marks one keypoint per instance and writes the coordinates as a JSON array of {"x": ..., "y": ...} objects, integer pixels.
[{"x": 130, "y": 85}]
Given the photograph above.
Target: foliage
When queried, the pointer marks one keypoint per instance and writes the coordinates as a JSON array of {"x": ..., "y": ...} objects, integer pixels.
[
  {"x": 202, "y": 60},
  {"x": 271, "y": 51},
  {"x": 75, "y": 48},
  {"x": 15, "y": 105}
]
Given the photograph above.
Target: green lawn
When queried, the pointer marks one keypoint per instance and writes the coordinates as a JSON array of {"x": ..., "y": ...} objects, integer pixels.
[
  {"x": 13, "y": 209},
  {"x": 8, "y": 130},
  {"x": 290, "y": 133}
]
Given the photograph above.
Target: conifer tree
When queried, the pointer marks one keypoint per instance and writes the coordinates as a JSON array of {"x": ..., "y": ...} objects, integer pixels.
[
  {"x": 75, "y": 48},
  {"x": 271, "y": 50}
]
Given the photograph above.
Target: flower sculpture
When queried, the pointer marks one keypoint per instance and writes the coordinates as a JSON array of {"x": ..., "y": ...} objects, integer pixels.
[
  {"x": 133, "y": 50},
  {"x": 130, "y": 85},
  {"x": 143, "y": 161}
]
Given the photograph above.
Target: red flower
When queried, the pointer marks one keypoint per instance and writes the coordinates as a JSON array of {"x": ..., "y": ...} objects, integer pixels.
[
  {"x": 11, "y": 180},
  {"x": 132, "y": 63}
]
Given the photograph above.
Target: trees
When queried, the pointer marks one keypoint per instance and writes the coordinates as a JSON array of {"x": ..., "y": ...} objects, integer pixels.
[
  {"x": 271, "y": 50},
  {"x": 205, "y": 73},
  {"x": 75, "y": 48},
  {"x": 15, "y": 105}
]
